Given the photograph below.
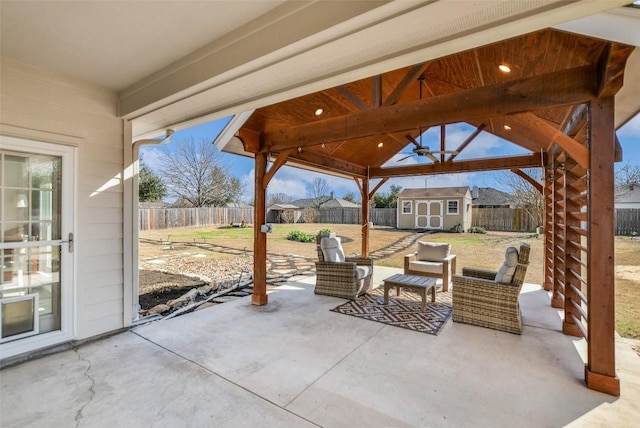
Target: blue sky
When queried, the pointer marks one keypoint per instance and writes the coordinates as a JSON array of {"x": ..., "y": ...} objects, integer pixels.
[{"x": 291, "y": 181}]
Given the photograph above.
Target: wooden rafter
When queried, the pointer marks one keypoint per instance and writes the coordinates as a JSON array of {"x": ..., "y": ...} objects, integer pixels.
[
  {"x": 353, "y": 98},
  {"x": 466, "y": 142},
  {"x": 579, "y": 152},
  {"x": 376, "y": 91},
  {"x": 527, "y": 178},
  {"x": 490, "y": 164},
  {"x": 328, "y": 163},
  {"x": 563, "y": 87},
  {"x": 409, "y": 78}
]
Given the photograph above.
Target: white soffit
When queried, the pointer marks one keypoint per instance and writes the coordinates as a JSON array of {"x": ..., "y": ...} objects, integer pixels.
[
  {"x": 388, "y": 37},
  {"x": 114, "y": 44}
]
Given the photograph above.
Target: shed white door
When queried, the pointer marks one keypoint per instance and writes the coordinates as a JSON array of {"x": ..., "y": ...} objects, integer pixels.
[{"x": 429, "y": 214}]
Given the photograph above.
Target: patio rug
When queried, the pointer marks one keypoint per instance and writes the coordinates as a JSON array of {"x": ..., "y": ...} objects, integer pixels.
[{"x": 402, "y": 311}]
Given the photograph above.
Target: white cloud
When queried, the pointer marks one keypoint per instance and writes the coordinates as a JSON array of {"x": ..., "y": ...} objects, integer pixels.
[{"x": 152, "y": 157}]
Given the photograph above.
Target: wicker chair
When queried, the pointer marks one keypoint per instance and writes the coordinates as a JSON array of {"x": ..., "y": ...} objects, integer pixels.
[
  {"x": 348, "y": 279},
  {"x": 480, "y": 300}
]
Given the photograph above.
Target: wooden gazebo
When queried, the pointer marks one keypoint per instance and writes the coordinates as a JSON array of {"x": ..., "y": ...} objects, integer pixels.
[{"x": 554, "y": 97}]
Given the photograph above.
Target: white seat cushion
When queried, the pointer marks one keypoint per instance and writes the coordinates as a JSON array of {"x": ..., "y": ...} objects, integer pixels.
[
  {"x": 332, "y": 249},
  {"x": 508, "y": 268},
  {"x": 363, "y": 271},
  {"x": 426, "y": 267},
  {"x": 432, "y": 252}
]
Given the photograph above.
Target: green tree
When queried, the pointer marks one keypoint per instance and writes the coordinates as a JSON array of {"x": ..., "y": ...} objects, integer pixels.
[
  {"x": 151, "y": 188},
  {"x": 387, "y": 200}
]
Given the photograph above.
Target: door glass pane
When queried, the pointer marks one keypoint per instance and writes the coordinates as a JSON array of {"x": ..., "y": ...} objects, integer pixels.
[{"x": 31, "y": 191}]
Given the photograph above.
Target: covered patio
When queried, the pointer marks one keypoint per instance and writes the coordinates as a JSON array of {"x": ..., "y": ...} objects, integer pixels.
[
  {"x": 293, "y": 362},
  {"x": 550, "y": 93}
]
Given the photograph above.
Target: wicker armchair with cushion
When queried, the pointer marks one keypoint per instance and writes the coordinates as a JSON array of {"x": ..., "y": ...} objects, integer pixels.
[
  {"x": 432, "y": 259},
  {"x": 490, "y": 299},
  {"x": 340, "y": 276}
]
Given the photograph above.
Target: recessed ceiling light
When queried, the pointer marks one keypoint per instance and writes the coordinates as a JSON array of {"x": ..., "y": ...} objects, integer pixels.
[
  {"x": 322, "y": 145},
  {"x": 504, "y": 68},
  {"x": 319, "y": 112},
  {"x": 507, "y": 127},
  {"x": 380, "y": 144}
]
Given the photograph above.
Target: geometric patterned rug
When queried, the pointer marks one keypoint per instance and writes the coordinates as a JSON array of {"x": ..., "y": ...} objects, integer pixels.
[{"x": 402, "y": 311}]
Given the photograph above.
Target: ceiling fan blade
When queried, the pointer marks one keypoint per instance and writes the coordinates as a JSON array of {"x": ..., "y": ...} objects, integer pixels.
[{"x": 406, "y": 157}]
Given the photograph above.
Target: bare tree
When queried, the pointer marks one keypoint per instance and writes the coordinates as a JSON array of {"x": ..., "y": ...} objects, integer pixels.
[
  {"x": 195, "y": 174},
  {"x": 351, "y": 197},
  {"x": 626, "y": 174},
  {"x": 309, "y": 215},
  {"x": 278, "y": 198},
  {"x": 317, "y": 190},
  {"x": 526, "y": 196}
]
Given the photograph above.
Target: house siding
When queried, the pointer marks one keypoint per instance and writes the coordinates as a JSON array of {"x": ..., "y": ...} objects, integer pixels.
[{"x": 44, "y": 106}]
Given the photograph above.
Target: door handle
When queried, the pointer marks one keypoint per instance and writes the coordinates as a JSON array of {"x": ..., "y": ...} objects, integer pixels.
[{"x": 69, "y": 241}]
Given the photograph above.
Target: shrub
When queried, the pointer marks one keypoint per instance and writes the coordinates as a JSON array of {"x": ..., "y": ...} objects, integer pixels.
[
  {"x": 296, "y": 235},
  {"x": 476, "y": 229},
  {"x": 324, "y": 231}
]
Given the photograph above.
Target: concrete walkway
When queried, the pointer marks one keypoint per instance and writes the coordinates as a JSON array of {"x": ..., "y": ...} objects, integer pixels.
[{"x": 295, "y": 363}]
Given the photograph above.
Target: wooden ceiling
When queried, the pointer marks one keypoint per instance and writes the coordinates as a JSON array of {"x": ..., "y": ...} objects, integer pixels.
[{"x": 365, "y": 123}]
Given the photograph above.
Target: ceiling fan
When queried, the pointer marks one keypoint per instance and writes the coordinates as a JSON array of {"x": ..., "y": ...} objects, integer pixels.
[{"x": 419, "y": 149}]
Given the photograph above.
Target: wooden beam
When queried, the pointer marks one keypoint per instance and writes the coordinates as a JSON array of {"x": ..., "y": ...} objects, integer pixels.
[
  {"x": 376, "y": 91},
  {"x": 619, "y": 154},
  {"x": 553, "y": 89},
  {"x": 443, "y": 141},
  {"x": 250, "y": 140},
  {"x": 527, "y": 178},
  {"x": 331, "y": 164},
  {"x": 379, "y": 185},
  {"x": 280, "y": 160},
  {"x": 359, "y": 184},
  {"x": 573, "y": 148},
  {"x": 259, "y": 296},
  {"x": 468, "y": 141},
  {"x": 488, "y": 164},
  {"x": 409, "y": 78},
  {"x": 611, "y": 68},
  {"x": 353, "y": 98},
  {"x": 574, "y": 121},
  {"x": 600, "y": 371},
  {"x": 365, "y": 217}
]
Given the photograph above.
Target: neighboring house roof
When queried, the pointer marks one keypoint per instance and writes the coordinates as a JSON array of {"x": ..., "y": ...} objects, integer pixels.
[
  {"x": 434, "y": 192},
  {"x": 339, "y": 203},
  {"x": 483, "y": 196},
  {"x": 282, "y": 207},
  {"x": 327, "y": 202},
  {"x": 237, "y": 205}
]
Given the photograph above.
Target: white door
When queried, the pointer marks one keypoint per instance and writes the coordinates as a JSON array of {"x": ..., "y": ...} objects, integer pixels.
[
  {"x": 36, "y": 244},
  {"x": 429, "y": 214}
]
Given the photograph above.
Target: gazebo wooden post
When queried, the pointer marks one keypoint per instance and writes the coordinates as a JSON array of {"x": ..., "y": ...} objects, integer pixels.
[
  {"x": 365, "y": 217},
  {"x": 600, "y": 370},
  {"x": 259, "y": 296}
]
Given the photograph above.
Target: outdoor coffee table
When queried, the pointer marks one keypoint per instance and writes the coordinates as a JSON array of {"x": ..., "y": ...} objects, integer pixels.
[{"x": 421, "y": 284}]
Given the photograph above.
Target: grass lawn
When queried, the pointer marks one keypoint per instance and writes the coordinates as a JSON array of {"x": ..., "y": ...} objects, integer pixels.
[{"x": 474, "y": 250}]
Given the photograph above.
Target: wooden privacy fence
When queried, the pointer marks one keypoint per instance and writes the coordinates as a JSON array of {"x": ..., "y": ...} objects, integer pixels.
[
  {"x": 503, "y": 219},
  {"x": 166, "y": 218},
  {"x": 628, "y": 222}
]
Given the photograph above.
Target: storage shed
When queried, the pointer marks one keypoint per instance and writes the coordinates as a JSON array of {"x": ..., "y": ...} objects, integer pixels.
[{"x": 441, "y": 208}]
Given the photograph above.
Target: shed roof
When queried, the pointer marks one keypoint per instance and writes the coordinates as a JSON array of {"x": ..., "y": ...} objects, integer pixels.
[{"x": 434, "y": 192}]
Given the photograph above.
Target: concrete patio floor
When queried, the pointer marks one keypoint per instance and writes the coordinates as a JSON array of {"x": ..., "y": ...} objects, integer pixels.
[{"x": 295, "y": 363}]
